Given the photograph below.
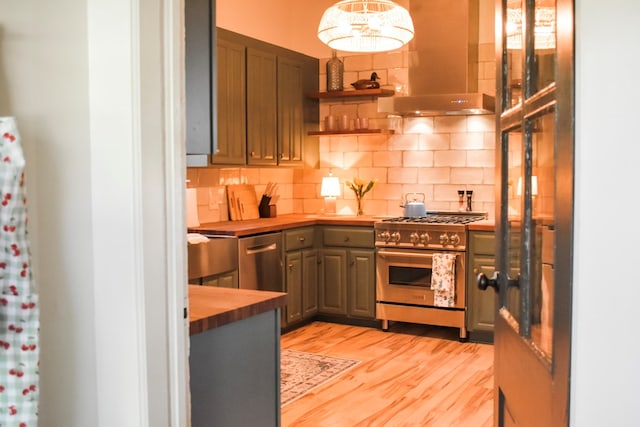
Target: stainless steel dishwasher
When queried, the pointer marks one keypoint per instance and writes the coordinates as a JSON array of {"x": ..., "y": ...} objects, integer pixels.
[{"x": 260, "y": 262}]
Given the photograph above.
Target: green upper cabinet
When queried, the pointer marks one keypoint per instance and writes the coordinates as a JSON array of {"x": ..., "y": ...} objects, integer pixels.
[
  {"x": 231, "y": 78},
  {"x": 291, "y": 133},
  {"x": 262, "y": 113},
  {"x": 200, "y": 94}
]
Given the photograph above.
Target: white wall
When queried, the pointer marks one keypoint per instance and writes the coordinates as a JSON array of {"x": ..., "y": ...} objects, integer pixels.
[
  {"x": 605, "y": 353},
  {"x": 85, "y": 81},
  {"x": 44, "y": 82}
]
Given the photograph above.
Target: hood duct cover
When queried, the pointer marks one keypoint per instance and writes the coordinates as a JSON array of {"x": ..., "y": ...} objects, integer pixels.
[{"x": 443, "y": 62}]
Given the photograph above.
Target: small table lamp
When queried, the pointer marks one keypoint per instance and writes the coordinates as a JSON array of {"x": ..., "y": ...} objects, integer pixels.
[{"x": 330, "y": 190}]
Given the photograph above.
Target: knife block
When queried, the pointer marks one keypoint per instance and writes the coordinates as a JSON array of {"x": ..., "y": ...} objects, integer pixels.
[{"x": 267, "y": 211}]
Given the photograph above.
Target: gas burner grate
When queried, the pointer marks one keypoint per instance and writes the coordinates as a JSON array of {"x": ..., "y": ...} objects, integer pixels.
[{"x": 437, "y": 219}]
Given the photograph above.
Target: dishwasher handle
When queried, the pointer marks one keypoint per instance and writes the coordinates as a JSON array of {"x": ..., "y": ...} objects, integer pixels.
[{"x": 260, "y": 249}]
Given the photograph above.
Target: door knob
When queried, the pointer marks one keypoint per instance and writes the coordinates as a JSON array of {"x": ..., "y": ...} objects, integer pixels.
[{"x": 484, "y": 282}]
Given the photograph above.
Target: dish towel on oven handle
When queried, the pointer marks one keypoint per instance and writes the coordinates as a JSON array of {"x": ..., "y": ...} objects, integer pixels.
[
  {"x": 19, "y": 310},
  {"x": 443, "y": 279}
]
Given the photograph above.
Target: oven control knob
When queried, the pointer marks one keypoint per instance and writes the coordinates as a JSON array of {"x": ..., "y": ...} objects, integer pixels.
[
  {"x": 425, "y": 238},
  {"x": 414, "y": 238},
  {"x": 385, "y": 236},
  {"x": 444, "y": 239},
  {"x": 395, "y": 236},
  {"x": 455, "y": 239}
]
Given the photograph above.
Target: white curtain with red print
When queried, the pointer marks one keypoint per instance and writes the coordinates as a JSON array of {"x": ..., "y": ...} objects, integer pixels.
[{"x": 19, "y": 311}]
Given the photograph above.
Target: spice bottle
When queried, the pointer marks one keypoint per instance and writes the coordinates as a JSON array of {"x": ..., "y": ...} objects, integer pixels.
[
  {"x": 469, "y": 195},
  {"x": 335, "y": 70}
]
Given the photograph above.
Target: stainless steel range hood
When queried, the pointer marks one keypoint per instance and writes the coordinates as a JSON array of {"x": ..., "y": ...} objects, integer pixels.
[{"x": 443, "y": 62}]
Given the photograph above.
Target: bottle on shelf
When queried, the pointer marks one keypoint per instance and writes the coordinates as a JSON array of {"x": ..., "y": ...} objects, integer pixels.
[{"x": 335, "y": 72}]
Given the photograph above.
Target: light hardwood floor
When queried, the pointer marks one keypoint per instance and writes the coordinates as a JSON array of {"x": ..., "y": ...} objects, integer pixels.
[{"x": 413, "y": 375}]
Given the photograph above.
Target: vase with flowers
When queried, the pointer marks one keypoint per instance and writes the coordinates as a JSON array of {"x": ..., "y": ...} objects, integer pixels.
[{"x": 360, "y": 188}]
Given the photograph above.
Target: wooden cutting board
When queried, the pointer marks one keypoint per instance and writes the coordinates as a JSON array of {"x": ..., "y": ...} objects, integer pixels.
[{"x": 243, "y": 202}]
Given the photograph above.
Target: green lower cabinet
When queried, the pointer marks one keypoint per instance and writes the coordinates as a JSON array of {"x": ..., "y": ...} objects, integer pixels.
[
  {"x": 223, "y": 280},
  {"x": 347, "y": 278},
  {"x": 310, "y": 283},
  {"x": 293, "y": 277},
  {"x": 301, "y": 284},
  {"x": 481, "y": 305},
  {"x": 300, "y": 275},
  {"x": 361, "y": 287}
]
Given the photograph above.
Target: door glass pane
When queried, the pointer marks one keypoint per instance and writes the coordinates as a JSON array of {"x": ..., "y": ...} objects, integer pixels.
[
  {"x": 545, "y": 42},
  {"x": 513, "y": 36},
  {"x": 543, "y": 213},
  {"x": 515, "y": 218}
]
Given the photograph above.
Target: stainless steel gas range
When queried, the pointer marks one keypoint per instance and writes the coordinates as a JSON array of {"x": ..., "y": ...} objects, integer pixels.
[{"x": 409, "y": 254}]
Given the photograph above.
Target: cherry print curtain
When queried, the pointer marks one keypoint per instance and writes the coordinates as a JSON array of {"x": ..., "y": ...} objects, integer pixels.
[{"x": 19, "y": 312}]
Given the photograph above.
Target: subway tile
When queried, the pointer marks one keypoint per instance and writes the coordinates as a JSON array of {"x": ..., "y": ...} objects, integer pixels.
[
  {"x": 358, "y": 160},
  {"x": 467, "y": 141},
  {"x": 387, "y": 60},
  {"x": 419, "y": 125},
  {"x": 450, "y": 158},
  {"x": 481, "y": 123},
  {"x": 304, "y": 191},
  {"x": 488, "y": 176},
  {"x": 249, "y": 176},
  {"x": 434, "y": 141},
  {"x": 332, "y": 159},
  {"x": 417, "y": 158},
  {"x": 402, "y": 175},
  {"x": 426, "y": 189},
  {"x": 403, "y": 142},
  {"x": 387, "y": 191},
  {"x": 344, "y": 144},
  {"x": 209, "y": 176},
  {"x": 467, "y": 175},
  {"x": 398, "y": 78},
  {"x": 489, "y": 140},
  {"x": 372, "y": 142},
  {"x": 387, "y": 158},
  {"x": 357, "y": 62},
  {"x": 441, "y": 175},
  {"x": 481, "y": 158},
  {"x": 448, "y": 124}
]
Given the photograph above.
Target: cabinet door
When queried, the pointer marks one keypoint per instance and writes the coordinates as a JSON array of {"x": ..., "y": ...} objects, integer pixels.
[
  {"x": 362, "y": 283},
  {"x": 290, "y": 111},
  {"x": 199, "y": 93},
  {"x": 309, "y": 282},
  {"x": 231, "y": 119},
  {"x": 262, "y": 132},
  {"x": 481, "y": 309},
  {"x": 333, "y": 277},
  {"x": 293, "y": 277}
]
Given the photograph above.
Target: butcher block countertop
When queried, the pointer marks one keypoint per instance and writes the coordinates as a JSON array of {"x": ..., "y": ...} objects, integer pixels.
[
  {"x": 282, "y": 222},
  {"x": 485, "y": 225},
  {"x": 211, "y": 307}
]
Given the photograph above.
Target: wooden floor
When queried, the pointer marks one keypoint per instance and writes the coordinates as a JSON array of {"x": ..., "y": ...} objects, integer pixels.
[{"x": 413, "y": 375}]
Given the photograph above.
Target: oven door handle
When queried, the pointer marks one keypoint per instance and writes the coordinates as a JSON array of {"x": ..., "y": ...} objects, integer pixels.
[{"x": 384, "y": 253}]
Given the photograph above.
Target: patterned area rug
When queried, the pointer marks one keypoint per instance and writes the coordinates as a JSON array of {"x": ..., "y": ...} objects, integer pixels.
[{"x": 302, "y": 372}]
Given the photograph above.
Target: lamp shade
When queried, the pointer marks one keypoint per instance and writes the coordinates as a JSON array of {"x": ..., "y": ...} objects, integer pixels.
[
  {"x": 544, "y": 31},
  {"x": 330, "y": 186},
  {"x": 365, "y": 26}
]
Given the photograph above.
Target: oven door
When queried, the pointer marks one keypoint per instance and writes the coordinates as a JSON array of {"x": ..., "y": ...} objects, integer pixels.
[{"x": 404, "y": 277}]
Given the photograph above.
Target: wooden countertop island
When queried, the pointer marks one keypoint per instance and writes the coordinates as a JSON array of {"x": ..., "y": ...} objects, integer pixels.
[
  {"x": 211, "y": 307},
  {"x": 234, "y": 356}
]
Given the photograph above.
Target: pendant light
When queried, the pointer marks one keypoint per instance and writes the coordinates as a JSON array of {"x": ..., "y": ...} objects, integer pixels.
[
  {"x": 544, "y": 30},
  {"x": 365, "y": 26}
]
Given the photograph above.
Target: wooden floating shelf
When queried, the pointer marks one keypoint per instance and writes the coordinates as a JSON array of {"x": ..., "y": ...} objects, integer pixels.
[
  {"x": 358, "y": 93},
  {"x": 353, "y": 132}
]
